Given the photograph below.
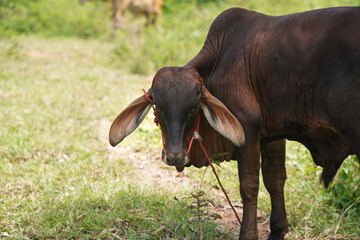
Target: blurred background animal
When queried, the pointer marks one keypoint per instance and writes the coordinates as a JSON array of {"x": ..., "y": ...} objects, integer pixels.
[{"x": 151, "y": 9}]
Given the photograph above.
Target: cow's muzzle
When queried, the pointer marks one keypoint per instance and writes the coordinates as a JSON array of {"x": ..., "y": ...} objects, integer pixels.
[{"x": 175, "y": 159}]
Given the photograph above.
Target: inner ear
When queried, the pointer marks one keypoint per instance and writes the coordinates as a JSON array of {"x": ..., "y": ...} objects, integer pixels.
[{"x": 221, "y": 119}]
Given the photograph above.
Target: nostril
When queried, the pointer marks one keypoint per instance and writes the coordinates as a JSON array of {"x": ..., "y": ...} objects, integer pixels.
[{"x": 175, "y": 161}]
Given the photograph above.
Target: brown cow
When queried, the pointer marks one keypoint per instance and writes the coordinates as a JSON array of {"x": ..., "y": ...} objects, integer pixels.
[
  {"x": 262, "y": 78},
  {"x": 151, "y": 9}
]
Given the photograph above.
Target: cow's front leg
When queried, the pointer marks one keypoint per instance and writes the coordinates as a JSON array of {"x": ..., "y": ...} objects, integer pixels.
[
  {"x": 274, "y": 174},
  {"x": 118, "y": 11},
  {"x": 248, "y": 158}
]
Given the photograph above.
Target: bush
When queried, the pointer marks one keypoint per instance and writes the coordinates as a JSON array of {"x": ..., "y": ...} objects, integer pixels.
[
  {"x": 54, "y": 18},
  {"x": 344, "y": 194}
]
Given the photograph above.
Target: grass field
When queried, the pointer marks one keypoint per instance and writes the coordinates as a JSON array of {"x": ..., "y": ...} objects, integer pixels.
[{"x": 60, "y": 88}]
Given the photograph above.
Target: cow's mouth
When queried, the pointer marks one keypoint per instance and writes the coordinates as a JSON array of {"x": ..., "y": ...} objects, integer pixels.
[{"x": 178, "y": 161}]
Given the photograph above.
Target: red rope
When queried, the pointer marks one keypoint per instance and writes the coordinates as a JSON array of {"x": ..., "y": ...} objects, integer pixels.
[
  {"x": 197, "y": 136},
  {"x": 156, "y": 119},
  {"x": 147, "y": 96},
  {"x": 217, "y": 177}
]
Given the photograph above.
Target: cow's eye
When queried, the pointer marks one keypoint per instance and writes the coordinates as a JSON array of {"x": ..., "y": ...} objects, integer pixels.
[
  {"x": 157, "y": 108},
  {"x": 194, "y": 108}
]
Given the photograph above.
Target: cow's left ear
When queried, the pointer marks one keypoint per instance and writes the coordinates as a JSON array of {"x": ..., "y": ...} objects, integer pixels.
[
  {"x": 221, "y": 119},
  {"x": 128, "y": 120}
]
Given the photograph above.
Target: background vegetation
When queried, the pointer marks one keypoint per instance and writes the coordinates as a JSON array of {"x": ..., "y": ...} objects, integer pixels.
[{"x": 64, "y": 75}]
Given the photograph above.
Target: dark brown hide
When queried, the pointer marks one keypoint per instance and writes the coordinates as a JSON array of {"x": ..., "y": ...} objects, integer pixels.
[{"x": 295, "y": 76}]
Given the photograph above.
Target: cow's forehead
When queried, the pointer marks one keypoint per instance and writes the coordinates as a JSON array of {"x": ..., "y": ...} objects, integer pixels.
[
  {"x": 176, "y": 77},
  {"x": 176, "y": 85}
]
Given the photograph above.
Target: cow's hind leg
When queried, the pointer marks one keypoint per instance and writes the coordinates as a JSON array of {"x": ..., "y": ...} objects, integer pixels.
[{"x": 274, "y": 174}]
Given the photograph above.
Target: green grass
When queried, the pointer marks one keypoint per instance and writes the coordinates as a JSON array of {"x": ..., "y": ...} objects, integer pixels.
[
  {"x": 54, "y": 18},
  {"x": 64, "y": 76},
  {"x": 59, "y": 178}
]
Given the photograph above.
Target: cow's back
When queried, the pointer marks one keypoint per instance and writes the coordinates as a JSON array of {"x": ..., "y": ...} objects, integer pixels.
[{"x": 147, "y": 6}]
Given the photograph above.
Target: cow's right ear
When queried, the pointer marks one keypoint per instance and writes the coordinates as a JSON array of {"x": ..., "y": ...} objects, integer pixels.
[
  {"x": 128, "y": 120},
  {"x": 221, "y": 119}
]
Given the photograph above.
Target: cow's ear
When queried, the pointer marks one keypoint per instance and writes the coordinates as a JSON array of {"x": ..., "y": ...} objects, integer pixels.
[
  {"x": 128, "y": 120},
  {"x": 221, "y": 119}
]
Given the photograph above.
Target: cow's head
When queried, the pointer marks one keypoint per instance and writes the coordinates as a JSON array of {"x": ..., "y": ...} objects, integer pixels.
[{"x": 178, "y": 94}]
